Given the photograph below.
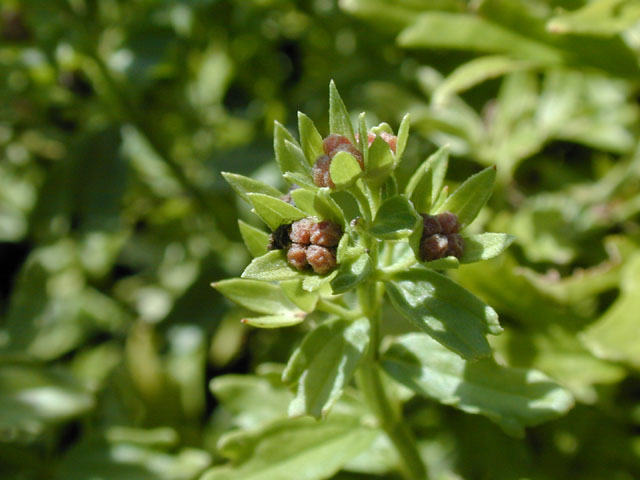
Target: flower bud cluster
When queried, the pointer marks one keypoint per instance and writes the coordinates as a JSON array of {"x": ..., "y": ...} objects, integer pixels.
[
  {"x": 440, "y": 237},
  {"x": 334, "y": 144},
  {"x": 309, "y": 244}
]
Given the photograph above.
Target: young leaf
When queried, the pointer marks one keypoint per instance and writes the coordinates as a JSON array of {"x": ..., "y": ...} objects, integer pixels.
[
  {"x": 514, "y": 398},
  {"x": 255, "y": 239},
  {"x": 304, "y": 300},
  {"x": 351, "y": 273},
  {"x": 396, "y": 218},
  {"x": 294, "y": 151},
  {"x": 485, "y": 246},
  {"x": 380, "y": 161},
  {"x": 275, "y": 321},
  {"x": 259, "y": 296},
  {"x": 288, "y": 159},
  {"x": 443, "y": 309},
  {"x": 270, "y": 267},
  {"x": 470, "y": 197},
  {"x": 425, "y": 185},
  {"x": 244, "y": 185},
  {"x": 403, "y": 136},
  {"x": 310, "y": 138},
  {"x": 303, "y": 199},
  {"x": 339, "y": 121},
  {"x": 324, "y": 363},
  {"x": 328, "y": 208},
  {"x": 273, "y": 211},
  {"x": 284, "y": 449},
  {"x": 300, "y": 180},
  {"x": 344, "y": 170},
  {"x": 363, "y": 140}
]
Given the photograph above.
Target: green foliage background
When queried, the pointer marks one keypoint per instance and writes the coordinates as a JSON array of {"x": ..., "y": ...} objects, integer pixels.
[{"x": 116, "y": 118}]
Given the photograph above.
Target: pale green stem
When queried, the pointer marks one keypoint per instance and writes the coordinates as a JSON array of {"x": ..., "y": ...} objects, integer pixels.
[{"x": 369, "y": 379}]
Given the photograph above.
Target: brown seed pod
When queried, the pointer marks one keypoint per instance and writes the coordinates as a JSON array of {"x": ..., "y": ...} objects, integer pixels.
[
  {"x": 321, "y": 259},
  {"x": 433, "y": 247},
  {"x": 297, "y": 256},
  {"x": 431, "y": 225},
  {"x": 456, "y": 245},
  {"x": 449, "y": 222},
  {"x": 301, "y": 231},
  {"x": 326, "y": 234},
  {"x": 320, "y": 172},
  {"x": 332, "y": 142}
]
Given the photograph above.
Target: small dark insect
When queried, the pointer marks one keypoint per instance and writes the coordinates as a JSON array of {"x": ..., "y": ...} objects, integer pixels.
[{"x": 280, "y": 238}]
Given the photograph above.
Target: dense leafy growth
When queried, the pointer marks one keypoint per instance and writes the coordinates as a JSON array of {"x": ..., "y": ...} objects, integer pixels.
[{"x": 118, "y": 360}]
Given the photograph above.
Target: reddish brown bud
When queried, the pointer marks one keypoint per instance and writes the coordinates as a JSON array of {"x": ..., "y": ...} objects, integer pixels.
[
  {"x": 321, "y": 259},
  {"x": 297, "y": 256},
  {"x": 332, "y": 142},
  {"x": 433, "y": 247},
  {"x": 449, "y": 222},
  {"x": 456, "y": 245},
  {"x": 431, "y": 225},
  {"x": 301, "y": 231},
  {"x": 326, "y": 234},
  {"x": 320, "y": 172}
]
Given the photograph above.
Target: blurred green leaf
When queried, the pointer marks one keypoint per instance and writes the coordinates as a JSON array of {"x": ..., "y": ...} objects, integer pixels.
[
  {"x": 244, "y": 185},
  {"x": 425, "y": 184},
  {"x": 512, "y": 397},
  {"x": 600, "y": 17},
  {"x": 485, "y": 246}
]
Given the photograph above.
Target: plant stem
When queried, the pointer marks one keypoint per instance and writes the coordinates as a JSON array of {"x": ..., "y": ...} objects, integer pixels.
[{"x": 371, "y": 385}]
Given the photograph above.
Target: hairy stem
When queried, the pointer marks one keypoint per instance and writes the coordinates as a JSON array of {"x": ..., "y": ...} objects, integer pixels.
[{"x": 387, "y": 412}]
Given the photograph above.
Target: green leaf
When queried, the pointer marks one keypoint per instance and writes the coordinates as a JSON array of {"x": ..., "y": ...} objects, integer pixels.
[
  {"x": 251, "y": 399},
  {"x": 363, "y": 140},
  {"x": 271, "y": 267},
  {"x": 614, "y": 336},
  {"x": 273, "y": 211},
  {"x": 339, "y": 121},
  {"x": 467, "y": 200},
  {"x": 485, "y": 246},
  {"x": 310, "y": 138},
  {"x": 328, "y": 208},
  {"x": 275, "y": 321},
  {"x": 380, "y": 161},
  {"x": 476, "y": 71},
  {"x": 31, "y": 398},
  {"x": 300, "y": 180},
  {"x": 396, "y": 218},
  {"x": 304, "y": 300},
  {"x": 425, "y": 184},
  {"x": 466, "y": 32},
  {"x": 255, "y": 239},
  {"x": 304, "y": 199},
  {"x": 293, "y": 449},
  {"x": 324, "y": 363},
  {"x": 244, "y": 185},
  {"x": 443, "y": 309},
  {"x": 402, "y": 137},
  {"x": 601, "y": 17},
  {"x": 256, "y": 295},
  {"x": 514, "y": 398},
  {"x": 289, "y": 156},
  {"x": 344, "y": 170},
  {"x": 351, "y": 273}
]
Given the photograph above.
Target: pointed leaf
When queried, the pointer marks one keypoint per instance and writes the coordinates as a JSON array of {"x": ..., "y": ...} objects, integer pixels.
[
  {"x": 300, "y": 180},
  {"x": 403, "y": 136},
  {"x": 443, "y": 309},
  {"x": 259, "y": 296},
  {"x": 310, "y": 138},
  {"x": 289, "y": 156},
  {"x": 270, "y": 267},
  {"x": 485, "y": 246},
  {"x": 273, "y": 211},
  {"x": 514, "y": 398},
  {"x": 285, "y": 449},
  {"x": 244, "y": 185},
  {"x": 275, "y": 321},
  {"x": 425, "y": 185},
  {"x": 339, "y": 121},
  {"x": 324, "y": 363},
  {"x": 255, "y": 239},
  {"x": 396, "y": 218},
  {"x": 363, "y": 139},
  {"x": 470, "y": 197},
  {"x": 351, "y": 273},
  {"x": 380, "y": 162}
]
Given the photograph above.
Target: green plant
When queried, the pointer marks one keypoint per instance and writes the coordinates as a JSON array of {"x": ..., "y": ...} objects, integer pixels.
[{"x": 394, "y": 241}]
